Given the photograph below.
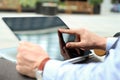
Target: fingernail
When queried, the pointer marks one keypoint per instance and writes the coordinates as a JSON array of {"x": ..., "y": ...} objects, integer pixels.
[
  {"x": 67, "y": 45},
  {"x": 59, "y": 29}
]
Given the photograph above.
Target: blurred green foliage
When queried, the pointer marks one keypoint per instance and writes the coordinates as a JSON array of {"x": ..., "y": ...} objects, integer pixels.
[
  {"x": 32, "y": 3},
  {"x": 28, "y": 3},
  {"x": 95, "y": 2}
]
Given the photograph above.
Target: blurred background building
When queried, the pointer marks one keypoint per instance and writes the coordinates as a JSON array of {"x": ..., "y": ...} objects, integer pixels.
[{"x": 51, "y": 7}]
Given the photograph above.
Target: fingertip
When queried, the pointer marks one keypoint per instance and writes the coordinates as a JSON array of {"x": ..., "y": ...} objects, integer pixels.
[
  {"x": 61, "y": 29},
  {"x": 72, "y": 45},
  {"x": 68, "y": 45}
]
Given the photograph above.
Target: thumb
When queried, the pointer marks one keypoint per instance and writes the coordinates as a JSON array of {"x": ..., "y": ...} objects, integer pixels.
[{"x": 73, "y": 45}]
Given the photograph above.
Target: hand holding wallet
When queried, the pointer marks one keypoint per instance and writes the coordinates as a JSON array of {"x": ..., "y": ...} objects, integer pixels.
[
  {"x": 66, "y": 52},
  {"x": 70, "y": 53}
]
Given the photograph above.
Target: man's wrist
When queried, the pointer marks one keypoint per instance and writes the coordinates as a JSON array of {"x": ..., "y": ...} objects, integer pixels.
[{"x": 42, "y": 64}]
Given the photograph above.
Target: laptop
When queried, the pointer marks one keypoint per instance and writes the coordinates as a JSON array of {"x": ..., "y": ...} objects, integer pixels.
[{"x": 38, "y": 30}]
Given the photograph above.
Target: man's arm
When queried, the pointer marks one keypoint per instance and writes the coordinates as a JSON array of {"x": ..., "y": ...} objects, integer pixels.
[
  {"x": 30, "y": 56},
  {"x": 107, "y": 70}
]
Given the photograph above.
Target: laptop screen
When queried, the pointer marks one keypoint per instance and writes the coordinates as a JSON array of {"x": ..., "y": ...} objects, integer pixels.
[
  {"x": 38, "y": 30},
  {"x": 33, "y": 23}
]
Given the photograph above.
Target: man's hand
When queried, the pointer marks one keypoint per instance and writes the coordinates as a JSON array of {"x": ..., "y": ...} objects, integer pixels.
[
  {"x": 29, "y": 58},
  {"x": 85, "y": 39}
]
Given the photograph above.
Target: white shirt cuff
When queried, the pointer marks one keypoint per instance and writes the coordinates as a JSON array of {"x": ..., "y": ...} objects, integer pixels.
[{"x": 110, "y": 42}]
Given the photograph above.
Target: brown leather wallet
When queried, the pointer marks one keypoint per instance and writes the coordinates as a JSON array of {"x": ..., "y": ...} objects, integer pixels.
[{"x": 68, "y": 53}]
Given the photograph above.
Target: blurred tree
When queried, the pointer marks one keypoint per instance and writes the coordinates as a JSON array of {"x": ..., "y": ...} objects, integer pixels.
[
  {"x": 28, "y": 3},
  {"x": 95, "y": 2},
  {"x": 96, "y": 5}
]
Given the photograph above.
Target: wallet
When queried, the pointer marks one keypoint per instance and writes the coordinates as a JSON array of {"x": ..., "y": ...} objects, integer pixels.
[{"x": 76, "y": 54}]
